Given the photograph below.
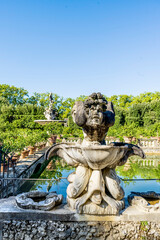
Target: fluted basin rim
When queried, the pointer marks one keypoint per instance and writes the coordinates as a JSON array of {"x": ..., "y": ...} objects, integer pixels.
[{"x": 94, "y": 156}]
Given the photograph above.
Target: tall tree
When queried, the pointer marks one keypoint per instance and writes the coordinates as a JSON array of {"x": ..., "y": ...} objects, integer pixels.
[{"x": 13, "y": 94}]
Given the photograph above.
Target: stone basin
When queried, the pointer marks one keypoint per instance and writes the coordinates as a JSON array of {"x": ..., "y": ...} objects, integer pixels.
[
  {"x": 96, "y": 157},
  {"x": 38, "y": 200},
  {"x": 44, "y": 122}
]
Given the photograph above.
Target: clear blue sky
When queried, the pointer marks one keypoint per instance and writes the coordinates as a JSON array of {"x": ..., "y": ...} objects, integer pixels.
[{"x": 76, "y": 47}]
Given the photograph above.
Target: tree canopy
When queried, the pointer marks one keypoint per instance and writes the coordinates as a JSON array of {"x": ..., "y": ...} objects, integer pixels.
[{"x": 135, "y": 115}]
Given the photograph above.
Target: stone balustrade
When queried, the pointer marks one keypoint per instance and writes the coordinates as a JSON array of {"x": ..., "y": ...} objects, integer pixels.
[
  {"x": 152, "y": 142},
  {"x": 149, "y": 163}
]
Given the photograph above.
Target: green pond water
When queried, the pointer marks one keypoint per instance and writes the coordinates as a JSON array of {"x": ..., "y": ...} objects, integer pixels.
[{"x": 137, "y": 175}]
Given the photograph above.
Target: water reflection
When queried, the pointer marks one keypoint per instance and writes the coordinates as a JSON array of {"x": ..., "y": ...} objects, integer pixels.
[
  {"x": 135, "y": 167},
  {"x": 133, "y": 174},
  {"x": 140, "y": 175},
  {"x": 58, "y": 171}
]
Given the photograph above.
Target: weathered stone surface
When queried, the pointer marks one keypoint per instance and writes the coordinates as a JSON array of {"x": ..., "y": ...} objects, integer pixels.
[
  {"x": 95, "y": 116},
  {"x": 139, "y": 199},
  {"x": 81, "y": 230},
  {"x": 38, "y": 200},
  {"x": 94, "y": 160}
]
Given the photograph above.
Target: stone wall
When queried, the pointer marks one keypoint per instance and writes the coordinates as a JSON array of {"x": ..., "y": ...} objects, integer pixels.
[
  {"x": 63, "y": 223},
  {"x": 54, "y": 230}
]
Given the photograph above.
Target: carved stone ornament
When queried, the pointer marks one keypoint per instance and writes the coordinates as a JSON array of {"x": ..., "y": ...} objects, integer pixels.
[
  {"x": 94, "y": 187},
  {"x": 142, "y": 200},
  {"x": 38, "y": 200}
]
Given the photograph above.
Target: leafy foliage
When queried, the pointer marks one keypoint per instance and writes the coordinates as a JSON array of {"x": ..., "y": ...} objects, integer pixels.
[
  {"x": 13, "y": 94},
  {"x": 135, "y": 169},
  {"x": 135, "y": 115}
]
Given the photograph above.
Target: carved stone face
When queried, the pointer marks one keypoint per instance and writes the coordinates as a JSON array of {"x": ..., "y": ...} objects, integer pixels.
[
  {"x": 94, "y": 108},
  {"x": 95, "y": 116}
]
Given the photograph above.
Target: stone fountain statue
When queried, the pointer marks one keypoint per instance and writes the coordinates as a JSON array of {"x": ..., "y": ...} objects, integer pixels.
[
  {"x": 94, "y": 187},
  {"x": 50, "y": 113}
]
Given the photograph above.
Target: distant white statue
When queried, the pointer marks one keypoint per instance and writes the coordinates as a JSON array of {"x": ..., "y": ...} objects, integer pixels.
[{"x": 50, "y": 113}]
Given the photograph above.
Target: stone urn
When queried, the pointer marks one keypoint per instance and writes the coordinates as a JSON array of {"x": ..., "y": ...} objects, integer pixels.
[
  {"x": 15, "y": 158},
  {"x": 24, "y": 154},
  {"x": 4, "y": 167},
  {"x": 31, "y": 150},
  {"x": 52, "y": 139}
]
